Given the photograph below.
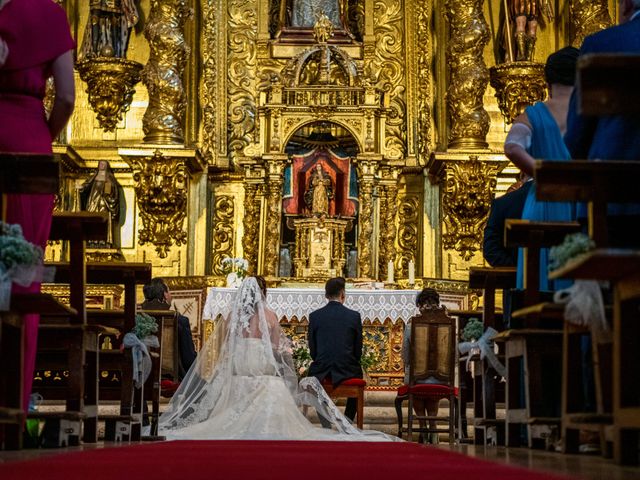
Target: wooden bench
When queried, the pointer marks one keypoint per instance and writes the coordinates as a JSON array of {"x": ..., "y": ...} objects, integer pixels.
[
  {"x": 129, "y": 275},
  {"x": 11, "y": 354},
  {"x": 487, "y": 428},
  {"x": 28, "y": 174},
  {"x": 622, "y": 269}
]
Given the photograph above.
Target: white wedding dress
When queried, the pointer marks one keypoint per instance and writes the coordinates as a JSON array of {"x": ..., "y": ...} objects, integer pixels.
[{"x": 243, "y": 386}]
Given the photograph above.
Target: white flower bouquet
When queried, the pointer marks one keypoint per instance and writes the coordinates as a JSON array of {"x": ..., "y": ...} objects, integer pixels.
[
  {"x": 20, "y": 261},
  {"x": 236, "y": 270}
]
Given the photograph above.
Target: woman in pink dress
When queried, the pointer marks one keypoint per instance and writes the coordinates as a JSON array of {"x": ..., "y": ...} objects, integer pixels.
[{"x": 35, "y": 44}]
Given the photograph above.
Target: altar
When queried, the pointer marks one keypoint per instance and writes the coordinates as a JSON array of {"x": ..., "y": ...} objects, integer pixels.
[{"x": 384, "y": 315}]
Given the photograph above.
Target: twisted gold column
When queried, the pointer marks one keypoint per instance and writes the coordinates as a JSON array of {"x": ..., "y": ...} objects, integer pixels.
[
  {"x": 366, "y": 175},
  {"x": 469, "y": 76},
  {"x": 272, "y": 232},
  {"x": 251, "y": 224},
  {"x": 587, "y": 17},
  {"x": 163, "y": 122}
]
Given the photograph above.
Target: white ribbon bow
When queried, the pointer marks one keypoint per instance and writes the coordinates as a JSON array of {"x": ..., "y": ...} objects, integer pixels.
[
  {"x": 485, "y": 344},
  {"x": 140, "y": 355}
]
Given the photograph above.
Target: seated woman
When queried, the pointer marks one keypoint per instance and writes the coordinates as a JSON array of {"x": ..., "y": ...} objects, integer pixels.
[
  {"x": 243, "y": 385},
  {"x": 427, "y": 299}
]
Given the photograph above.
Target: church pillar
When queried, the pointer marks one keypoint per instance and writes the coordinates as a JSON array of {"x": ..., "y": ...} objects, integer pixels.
[
  {"x": 251, "y": 224},
  {"x": 163, "y": 122},
  {"x": 388, "y": 213},
  {"x": 275, "y": 178},
  {"x": 469, "y": 121},
  {"x": 366, "y": 182}
]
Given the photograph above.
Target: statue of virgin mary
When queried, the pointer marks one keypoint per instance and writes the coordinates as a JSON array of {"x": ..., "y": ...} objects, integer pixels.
[{"x": 305, "y": 13}]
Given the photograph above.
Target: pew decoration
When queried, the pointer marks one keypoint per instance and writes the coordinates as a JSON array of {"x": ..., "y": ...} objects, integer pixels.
[
  {"x": 574, "y": 245},
  {"x": 584, "y": 306},
  {"x": 483, "y": 346},
  {"x": 139, "y": 340},
  {"x": 20, "y": 262}
]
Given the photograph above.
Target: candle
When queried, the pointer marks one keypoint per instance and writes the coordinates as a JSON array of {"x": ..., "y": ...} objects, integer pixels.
[
  {"x": 390, "y": 272},
  {"x": 412, "y": 273}
]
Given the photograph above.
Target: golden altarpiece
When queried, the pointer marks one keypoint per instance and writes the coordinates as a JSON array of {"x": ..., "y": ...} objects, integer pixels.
[{"x": 309, "y": 137}]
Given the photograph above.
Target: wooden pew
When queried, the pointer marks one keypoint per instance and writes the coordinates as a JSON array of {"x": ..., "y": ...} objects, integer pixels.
[
  {"x": 597, "y": 183},
  {"x": 69, "y": 344},
  {"x": 28, "y": 174},
  {"x": 126, "y": 425},
  {"x": 11, "y": 357},
  {"x": 622, "y": 269},
  {"x": 531, "y": 351}
]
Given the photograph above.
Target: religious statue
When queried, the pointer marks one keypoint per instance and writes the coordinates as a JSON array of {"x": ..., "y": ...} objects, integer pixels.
[
  {"x": 525, "y": 14},
  {"x": 319, "y": 191},
  {"x": 101, "y": 193},
  {"x": 305, "y": 13},
  {"x": 323, "y": 29},
  {"x": 108, "y": 28}
]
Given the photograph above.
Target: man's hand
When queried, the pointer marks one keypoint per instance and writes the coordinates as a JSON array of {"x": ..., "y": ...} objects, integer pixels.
[{"x": 4, "y": 52}]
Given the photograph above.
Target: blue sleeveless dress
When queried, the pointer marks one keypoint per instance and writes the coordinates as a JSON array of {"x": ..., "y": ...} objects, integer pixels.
[{"x": 546, "y": 144}]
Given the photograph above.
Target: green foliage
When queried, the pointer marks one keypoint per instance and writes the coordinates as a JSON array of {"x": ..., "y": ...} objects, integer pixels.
[
  {"x": 473, "y": 330},
  {"x": 15, "y": 250},
  {"x": 574, "y": 244},
  {"x": 369, "y": 358},
  {"x": 145, "y": 326}
]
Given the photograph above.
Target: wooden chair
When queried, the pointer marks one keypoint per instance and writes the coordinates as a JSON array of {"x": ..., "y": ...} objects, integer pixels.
[
  {"x": 165, "y": 355},
  {"x": 351, "y": 388},
  {"x": 432, "y": 355}
]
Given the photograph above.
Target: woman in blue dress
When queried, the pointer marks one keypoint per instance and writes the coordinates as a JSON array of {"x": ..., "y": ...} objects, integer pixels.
[{"x": 537, "y": 134}]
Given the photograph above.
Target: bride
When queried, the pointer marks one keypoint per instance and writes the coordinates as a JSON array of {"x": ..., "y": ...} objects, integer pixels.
[{"x": 243, "y": 385}]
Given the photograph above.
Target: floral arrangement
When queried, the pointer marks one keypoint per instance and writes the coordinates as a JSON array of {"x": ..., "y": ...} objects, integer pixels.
[
  {"x": 301, "y": 357},
  {"x": 572, "y": 246},
  {"x": 145, "y": 326},
  {"x": 15, "y": 251},
  {"x": 239, "y": 266},
  {"x": 20, "y": 261},
  {"x": 473, "y": 330},
  {"x": 369, "y": 358}
]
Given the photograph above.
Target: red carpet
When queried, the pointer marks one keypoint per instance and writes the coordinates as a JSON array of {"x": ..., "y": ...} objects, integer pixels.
[{"x": 265, "y": 460}]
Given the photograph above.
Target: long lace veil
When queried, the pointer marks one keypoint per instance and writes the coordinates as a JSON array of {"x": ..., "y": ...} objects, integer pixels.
[{"x": 248, "y": 345}]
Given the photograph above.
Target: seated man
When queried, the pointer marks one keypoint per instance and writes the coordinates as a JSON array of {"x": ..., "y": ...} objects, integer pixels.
[
  {"x": 158, "y": 297},
  {"x": 335, "y": 341},
  {"x": 509, "y": 205}
]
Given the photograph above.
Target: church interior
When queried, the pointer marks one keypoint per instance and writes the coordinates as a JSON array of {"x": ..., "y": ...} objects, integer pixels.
[{"x": 301, "y": 140}]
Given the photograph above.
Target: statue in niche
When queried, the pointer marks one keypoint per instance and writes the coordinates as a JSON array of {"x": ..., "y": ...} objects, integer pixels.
[
  {"x": 101, "y": 193},
  {"x": 319, "y": 191},
  {"x": 305, "y": 13},
  {"x": 108, "y": 28},
  {"x": 525, "y": 14}
]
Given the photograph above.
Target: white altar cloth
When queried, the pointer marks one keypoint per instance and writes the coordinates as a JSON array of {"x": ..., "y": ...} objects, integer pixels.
[{"x": 396, "y": 305}]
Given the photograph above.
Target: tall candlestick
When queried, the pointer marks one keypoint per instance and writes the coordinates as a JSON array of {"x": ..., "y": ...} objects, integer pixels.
[
  {"x": 412, "y": 273},
  {"x": 390, "y": 272}
]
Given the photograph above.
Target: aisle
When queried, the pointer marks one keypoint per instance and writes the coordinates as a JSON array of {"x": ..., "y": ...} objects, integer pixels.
[{"x": 265, "y": 460}]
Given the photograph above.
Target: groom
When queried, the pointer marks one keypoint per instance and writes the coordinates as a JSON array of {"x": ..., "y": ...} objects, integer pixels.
[{"x": 335, "y": 341}]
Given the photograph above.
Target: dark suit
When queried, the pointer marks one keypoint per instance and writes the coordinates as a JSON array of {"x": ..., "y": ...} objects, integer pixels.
[
  {"x": 186, "y": 349},
  {"x": 509, "y": 205},
  {"x": 335, "y": 344},
  {"x": 615, "y": 137}
]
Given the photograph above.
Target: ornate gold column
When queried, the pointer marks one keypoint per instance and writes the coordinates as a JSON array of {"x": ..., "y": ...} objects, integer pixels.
[
  {"x": 223, "y": 232},
  {"x": 366, "y": 182},
  {"x": 275, "y": 171},
  {"x": 388, "y": 186},
  {"x": 251, "y": 223},
  {"x": 469, "y": 76},
  {"x": 163, "y": 122},
  {"x": 587, "y": 17}
]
